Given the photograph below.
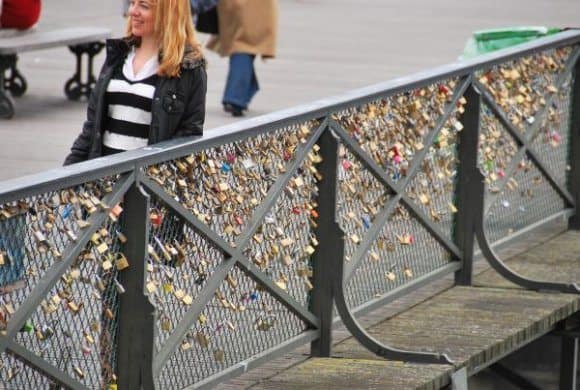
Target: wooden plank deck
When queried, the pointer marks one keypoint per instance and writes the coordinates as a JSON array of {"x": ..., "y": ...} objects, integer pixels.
[
  {"x": 475, "y": 326},
  {"x": 556, "y": 260}
]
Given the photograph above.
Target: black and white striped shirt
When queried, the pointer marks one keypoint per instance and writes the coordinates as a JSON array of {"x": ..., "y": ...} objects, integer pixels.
[{"x": 129, "y": 97}]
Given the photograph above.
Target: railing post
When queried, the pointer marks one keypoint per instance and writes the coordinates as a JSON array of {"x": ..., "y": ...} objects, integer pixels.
[
  {"x": 136, "y": 313},
  {"x": 574, "y": 179},
  {"x": 466, "y": 201},
  {"x": 329, "y": 237}
]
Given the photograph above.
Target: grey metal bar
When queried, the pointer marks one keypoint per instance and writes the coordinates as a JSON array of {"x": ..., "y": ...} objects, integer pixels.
[
  {"x": 136, "y": 313},
  {"x": 282, "y": 296},
  {"x": 256, "y": 361},
  {"x": 569, "y": 363},
  {"x": 42, "y": 365},
  {"x": 407, "y": 288},
  {"x": 192, "y": 314},
  {"x": 69, "y": 255},
  {"x": 329, "y": 238},
  {"x": 243, "y": 129},
  {"x": 574, "y": 178},
  {"x": 184, "y": 213},
  {"x": 514, "y": 378},
  {"x": 500, "y": 267},
  {"x": 379, "y": 173},
  {"x": 524, "y": 148},
  {"x": 465, "y": 198}
]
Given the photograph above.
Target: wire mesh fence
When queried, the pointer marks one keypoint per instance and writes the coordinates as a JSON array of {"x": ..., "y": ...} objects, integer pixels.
[{"x": 232, "y": 225}]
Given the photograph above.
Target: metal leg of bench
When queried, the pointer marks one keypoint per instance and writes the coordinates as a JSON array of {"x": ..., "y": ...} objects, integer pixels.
[
  {"x": 6, "y": 105},
  {"x": 15, "y": 83},
  {"x": 459, "y": 379},
  {"x": 569, "y": 363},
  {"x": 513, "y": 377},
  {"x": 75, "y": 88}
]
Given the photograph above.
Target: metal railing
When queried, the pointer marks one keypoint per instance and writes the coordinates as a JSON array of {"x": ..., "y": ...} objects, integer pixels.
[{"x": 184, "y": 264}]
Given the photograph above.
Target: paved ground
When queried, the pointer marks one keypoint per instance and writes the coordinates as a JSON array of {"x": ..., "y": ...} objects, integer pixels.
[{"x": 326, "y": 47}]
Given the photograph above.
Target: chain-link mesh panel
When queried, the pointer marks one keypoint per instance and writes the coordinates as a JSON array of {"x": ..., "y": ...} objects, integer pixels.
[
  {"x": 70, "y": 329},
  {"x": 222, "y": 186},
  {"x": 180, "y": 262},
  {"x": 75, "y": 328},
  {"x": 403, "y": 252},
  {"x": 433, "y": 187},
  {"x": 552, "y": 142},
  {"x": 16, "y": 375},
  {"x": 240, "y": 322},
  {"x": 496, "y": 149},
  {"x": 284, "y": 243},
  {"x": 527, "y": 198},
  {"x": 519, "y": 87},
  {"x": 527, "y": 91},
  {"x": 360, "y": 198}
]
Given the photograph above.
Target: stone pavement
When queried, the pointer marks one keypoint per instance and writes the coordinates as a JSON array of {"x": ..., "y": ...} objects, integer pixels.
[{"x": 326, "y": 47}]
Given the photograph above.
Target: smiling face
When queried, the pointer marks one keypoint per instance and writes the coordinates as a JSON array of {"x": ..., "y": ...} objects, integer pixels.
[{"x": 142, "y": 14}]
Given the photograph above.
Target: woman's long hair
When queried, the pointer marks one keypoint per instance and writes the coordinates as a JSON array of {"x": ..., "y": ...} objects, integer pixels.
[{"x": 175, "y": 33}]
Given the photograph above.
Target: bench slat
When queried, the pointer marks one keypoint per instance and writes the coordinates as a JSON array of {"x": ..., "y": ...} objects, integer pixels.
[{"x": 37, "y": 40}]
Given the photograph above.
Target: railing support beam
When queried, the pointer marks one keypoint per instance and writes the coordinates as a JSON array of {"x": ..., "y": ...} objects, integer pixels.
[
  {"x": 574, "y": 222},
  {"x": 328, "y": 251},
  {"x": 466, "y": 201},
  {"x": 136, "y": 313}
]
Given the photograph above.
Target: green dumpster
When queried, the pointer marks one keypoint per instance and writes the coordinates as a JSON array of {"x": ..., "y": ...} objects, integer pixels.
[{"x": 485, "y": 41}]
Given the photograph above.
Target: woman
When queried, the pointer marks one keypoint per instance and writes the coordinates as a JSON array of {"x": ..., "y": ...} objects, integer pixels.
[
  {"x": 246, "y": 28},
  {"x": 152, "y": 86},
  {"x": 19, "y": 14}
]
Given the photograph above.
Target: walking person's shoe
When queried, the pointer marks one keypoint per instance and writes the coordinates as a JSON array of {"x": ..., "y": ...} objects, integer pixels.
[{"x": 233, "y": 109}]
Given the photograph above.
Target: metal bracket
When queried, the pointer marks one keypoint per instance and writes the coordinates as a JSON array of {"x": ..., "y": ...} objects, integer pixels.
[
  {"x": 496, "y": 263},
  {"x": 75, "y": 88}
]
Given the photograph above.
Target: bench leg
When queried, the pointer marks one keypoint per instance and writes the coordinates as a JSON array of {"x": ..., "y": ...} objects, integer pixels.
[
  {"x": 6, "y": 105},
  {"x": 569, "y": 363},
  {"x": 75, "y": 88}
]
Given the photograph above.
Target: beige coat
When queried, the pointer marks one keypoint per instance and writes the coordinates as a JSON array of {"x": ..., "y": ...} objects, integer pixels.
[{"x": 246, "y": 26}]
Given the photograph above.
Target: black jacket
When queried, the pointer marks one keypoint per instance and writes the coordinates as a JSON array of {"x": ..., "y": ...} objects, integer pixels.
[{"x": 178, "y": 107}]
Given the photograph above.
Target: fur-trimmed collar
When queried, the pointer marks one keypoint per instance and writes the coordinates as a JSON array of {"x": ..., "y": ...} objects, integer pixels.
[{"x": 118, "y": 49}]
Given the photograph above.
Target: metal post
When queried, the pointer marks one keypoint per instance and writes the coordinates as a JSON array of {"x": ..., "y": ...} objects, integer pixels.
[
  {"x": 329, "y": 237},
  {"x": 466, "y": 201},
  {"x": 136, "y": 313},
  {"x": 574, "y": 178},
  {"x": 569, "y": 363}
]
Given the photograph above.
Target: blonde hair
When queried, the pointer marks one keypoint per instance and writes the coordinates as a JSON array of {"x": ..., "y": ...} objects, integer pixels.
[{"x": 174, "y": 32}]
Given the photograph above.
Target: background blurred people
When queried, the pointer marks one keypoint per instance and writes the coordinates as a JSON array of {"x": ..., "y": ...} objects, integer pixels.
[{"x": 247, "y": 28}]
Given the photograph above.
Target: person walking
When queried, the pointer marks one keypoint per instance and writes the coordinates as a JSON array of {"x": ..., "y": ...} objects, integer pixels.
[
  {"x": 19, "y": 14},
  {"x": 152, "y": 86},
  {"x": 247, "y": 28}
]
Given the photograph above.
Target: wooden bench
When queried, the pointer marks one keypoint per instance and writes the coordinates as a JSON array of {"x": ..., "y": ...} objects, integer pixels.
[
  {"x": 474, "y": 326},
  {"x": 81, "y": 41}
]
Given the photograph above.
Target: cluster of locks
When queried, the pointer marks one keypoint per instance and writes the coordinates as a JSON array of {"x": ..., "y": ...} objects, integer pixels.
[
  {"x": 222, "y": 187},
  {"x": 393, "y": 132},
  {"x": 523, "y": 89},
  {"x": 68, "y": 325}
]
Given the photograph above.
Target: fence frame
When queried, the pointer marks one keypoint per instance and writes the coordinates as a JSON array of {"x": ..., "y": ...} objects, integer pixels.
[{"x": 140, "y": 364}]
